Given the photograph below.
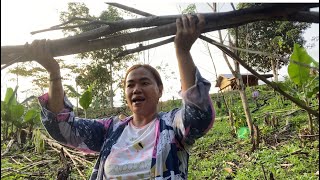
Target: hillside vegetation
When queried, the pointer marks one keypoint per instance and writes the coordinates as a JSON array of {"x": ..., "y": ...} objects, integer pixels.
[{"x": 286, "y": 149}]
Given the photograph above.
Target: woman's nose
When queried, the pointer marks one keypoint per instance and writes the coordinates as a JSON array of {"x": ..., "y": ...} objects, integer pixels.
[{"x": 137, "y": 90}]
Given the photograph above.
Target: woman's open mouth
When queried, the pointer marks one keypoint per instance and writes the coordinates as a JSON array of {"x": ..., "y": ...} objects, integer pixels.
[{"x": 138, "y": 100}]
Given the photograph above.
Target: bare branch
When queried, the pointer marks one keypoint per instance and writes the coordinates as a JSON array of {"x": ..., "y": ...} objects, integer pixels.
[
  {"x": 57, "y": 27},
  {"x": 142, "y": 48},
  {"x": 266, "y": 12},
  {"x": 267, "y": 54},
  {"x": 130, "y": 9}
]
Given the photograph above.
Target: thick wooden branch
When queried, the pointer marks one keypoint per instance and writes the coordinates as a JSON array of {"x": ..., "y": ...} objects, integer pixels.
[
  {"x": 88, "y": 41},
  {"x": 273, "y": 85}
]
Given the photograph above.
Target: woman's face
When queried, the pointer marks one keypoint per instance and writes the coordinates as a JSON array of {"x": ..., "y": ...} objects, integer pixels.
[{"x": 142, "y": 92}]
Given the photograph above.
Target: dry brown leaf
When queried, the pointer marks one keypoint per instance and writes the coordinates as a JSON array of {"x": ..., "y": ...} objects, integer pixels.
[
  {"x": 229, "y": 170},
  {"x": 286, "y": 165}
]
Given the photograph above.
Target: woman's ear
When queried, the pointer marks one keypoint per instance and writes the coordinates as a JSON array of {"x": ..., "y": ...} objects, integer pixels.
[{"x": 160, "y": 91}]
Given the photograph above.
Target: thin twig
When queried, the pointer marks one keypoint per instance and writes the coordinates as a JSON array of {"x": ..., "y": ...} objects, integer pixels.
[
  {"x": 11, "y": 62},
  {"x": 72, "y": 20},
  {"x": 52, "y": 143},
  {"x": 27, "y": 158},
  {"x": 75, "y": 164},
  {"x": 267, "y": 54},
  {"x": 95, "y": 22},
  {"x": 308, "y": 135},
  {"x": 130, "y": 9},
  {"x": 142, "y": 48},
  {"x": 264, "y": 173},
  {"x": 79, "y": 159}
]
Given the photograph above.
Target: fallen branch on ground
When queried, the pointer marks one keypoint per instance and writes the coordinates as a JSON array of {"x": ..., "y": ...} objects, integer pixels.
[{"x": 8, "y": 148}]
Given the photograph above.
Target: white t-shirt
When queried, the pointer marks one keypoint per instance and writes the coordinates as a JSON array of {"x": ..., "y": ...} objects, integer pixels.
[{"x": 130, "y": 157}]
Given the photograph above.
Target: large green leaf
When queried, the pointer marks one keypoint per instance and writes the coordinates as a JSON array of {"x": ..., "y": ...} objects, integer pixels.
[
  {"x": 299, "y": 74},
  {"x": 313, "y": 86},
  {"x": 37, "y": 119},
  {"x": 16, "y": 111},
  {"x": 9, "y": 93},
  {"x": 73, "y": 90},
  {"x": 3, "y": 109},
  {"x": 86, "y": 99},
  {"x": 30, "y": 115},
  {"x": 10, "y": 97}
]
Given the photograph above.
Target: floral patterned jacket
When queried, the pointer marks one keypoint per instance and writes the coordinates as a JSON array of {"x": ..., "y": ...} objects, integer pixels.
[{"x": 176, "y": 130}]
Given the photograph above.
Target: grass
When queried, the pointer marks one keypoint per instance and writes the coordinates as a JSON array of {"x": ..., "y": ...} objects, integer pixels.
[{"x": 217, "y": 150}]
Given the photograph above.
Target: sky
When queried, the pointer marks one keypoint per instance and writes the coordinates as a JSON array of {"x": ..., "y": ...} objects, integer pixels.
[{"x": 19, "y": 18}]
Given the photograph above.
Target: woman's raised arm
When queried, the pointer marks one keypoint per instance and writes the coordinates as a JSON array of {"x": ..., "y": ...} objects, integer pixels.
[
  {"x": 188, "y": 30},
  {"x": 39, "y": 50}
]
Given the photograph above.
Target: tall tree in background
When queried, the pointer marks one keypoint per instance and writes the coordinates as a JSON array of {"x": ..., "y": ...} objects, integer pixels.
[
  {"x": 276, "y": 37},
  {"x": 104, "y": 66}
]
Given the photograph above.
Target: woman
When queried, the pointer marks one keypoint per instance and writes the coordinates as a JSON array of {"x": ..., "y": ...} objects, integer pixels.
[{"x": 148, "y": 144}]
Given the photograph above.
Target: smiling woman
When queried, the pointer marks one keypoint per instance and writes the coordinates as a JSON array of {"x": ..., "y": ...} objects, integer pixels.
[
  {"x": 149, "y": 144},
  {"x": 143, "y": 88}
]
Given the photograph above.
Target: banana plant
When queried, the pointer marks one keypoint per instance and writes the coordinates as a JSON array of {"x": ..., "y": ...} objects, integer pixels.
[
  {"x": 302, "y": 71},
  {"x": 32, "y": 117},
  {"x": 11, "y": 112},
  {"x": 85, "y": 99}
]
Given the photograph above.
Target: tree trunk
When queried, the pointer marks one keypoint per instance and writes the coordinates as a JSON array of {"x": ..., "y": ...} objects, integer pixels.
[
  {"x": 234, "y": 131},
  {"x": 111, "y": 89},
  {"x": 246, "y": 110},
  {"x": 310, "y": 124},
  {"x": 231, "y": 120},
  {"x": 242, "y": 92},
  {"x": 274, "y": 69}
]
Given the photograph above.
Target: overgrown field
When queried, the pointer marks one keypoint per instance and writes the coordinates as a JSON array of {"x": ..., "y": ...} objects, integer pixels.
[{"x": 287, "y": 150}]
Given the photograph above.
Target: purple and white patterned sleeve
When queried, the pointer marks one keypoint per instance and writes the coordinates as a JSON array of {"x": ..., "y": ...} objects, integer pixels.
[
  {"x": 197, "y": 115},
  {"x": 86, "y": 135}
]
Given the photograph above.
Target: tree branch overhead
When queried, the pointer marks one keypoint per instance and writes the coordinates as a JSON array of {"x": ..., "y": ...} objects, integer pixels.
[{"x": 162, "y": 26}]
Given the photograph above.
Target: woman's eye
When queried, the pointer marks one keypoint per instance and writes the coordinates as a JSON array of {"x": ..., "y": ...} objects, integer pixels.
[
  {"x": 145, "y": 83},
  {"x": 129, "y": 85}
]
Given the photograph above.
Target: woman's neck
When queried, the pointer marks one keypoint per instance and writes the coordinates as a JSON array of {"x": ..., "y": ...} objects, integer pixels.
[{"x": 140, "y": 121}]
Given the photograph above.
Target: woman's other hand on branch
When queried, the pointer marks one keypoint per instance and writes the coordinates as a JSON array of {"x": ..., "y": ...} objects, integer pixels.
[
  {"x": 189, "y": 28},
  {"x": 39, "y": 51}
]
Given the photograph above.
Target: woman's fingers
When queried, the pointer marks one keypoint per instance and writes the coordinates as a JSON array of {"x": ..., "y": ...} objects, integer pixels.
[
  {"x": 202, "y": 22},
  {"x": 179, "y": 24},
  {"x": 185, "y": 22},
  {"x": 189, "y": 28},
  {"x": 192, "y": 21}
]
